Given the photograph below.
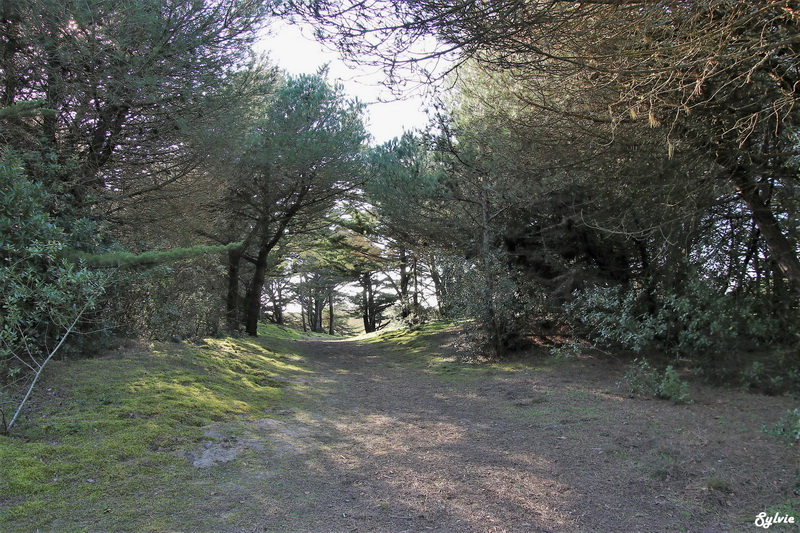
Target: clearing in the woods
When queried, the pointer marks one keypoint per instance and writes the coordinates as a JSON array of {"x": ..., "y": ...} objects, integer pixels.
[{"x": 384, "y": 434}]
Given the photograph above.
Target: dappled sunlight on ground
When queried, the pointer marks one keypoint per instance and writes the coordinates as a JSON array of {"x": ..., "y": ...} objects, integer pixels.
[
  {"x": 400, "y": 445},
  {"x": 300, "y": 435}
]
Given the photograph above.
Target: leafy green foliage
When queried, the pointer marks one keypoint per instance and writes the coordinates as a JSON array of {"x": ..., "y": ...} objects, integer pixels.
[
  {"x": 642, "y": 378},
  {"x": 566, "y": 351},
  {"x": 695, "y": 319},
  {"x": 302, "y": 156},
  {"x": 164, "y": 294},
  {"x": 496, "y": 304},
  {"x": 776, "y": 374},
  {"x": 129, "y": 79},
  {"x": 125, "y": 96},
  {"x": 612, "y": 315},
  {"x": 180, "y": 299},
  {"x": 40, "y": 286},
  {"x": 43, "y": 294},
  {"x": 405, "y": 177},
  {"x": 601, "y": 173},
  {"x": 787, "y": 429}
]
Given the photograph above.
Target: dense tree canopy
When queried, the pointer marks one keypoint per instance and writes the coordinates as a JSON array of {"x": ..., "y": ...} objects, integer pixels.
[
  {"x": 719, "y": 78},
  {"x": 101, "y": 103},
  {"x": 113, "y": 88},
  {"x": 647, "y": 148}
]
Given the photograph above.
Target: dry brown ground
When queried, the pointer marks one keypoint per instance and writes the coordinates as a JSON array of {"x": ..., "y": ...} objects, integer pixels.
[{"x": 382, "y": 445}]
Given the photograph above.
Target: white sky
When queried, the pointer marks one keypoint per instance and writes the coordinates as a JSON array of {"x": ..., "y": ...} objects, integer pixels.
[{"x": 296, "y": 52}]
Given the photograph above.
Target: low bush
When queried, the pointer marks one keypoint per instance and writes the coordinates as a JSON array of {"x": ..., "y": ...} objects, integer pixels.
[
  {"x": 787, "y": 429},
  {"x": 643, "y": 378},
  {"x": 717, "y": 332},
  {"x": 497, "y": 305}
]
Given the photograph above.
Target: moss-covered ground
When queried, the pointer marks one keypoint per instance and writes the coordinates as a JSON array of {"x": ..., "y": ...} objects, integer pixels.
[
  {"x": 102, "y": 438},
  {"x": 395, "y": 431}
]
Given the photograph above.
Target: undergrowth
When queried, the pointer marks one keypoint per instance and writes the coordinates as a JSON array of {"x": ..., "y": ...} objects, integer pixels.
[
  {"x": 643, "y": 378},
  {"x": 787, "y": 429}
]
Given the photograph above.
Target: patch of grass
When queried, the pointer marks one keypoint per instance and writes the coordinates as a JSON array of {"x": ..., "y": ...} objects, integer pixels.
[
  {"x": 453, "y": 368},
  {"x": 417, "y": 347},
  {"x": 421, "y": 348},
  {"x": 619, "y": 455},
  {"x": 542, "y": 412},
  {"x": 275, "y": 331},
  {"x": 789, "y": 507},
  {"x": 408, "y": 337},
  {"x": 719, "y": 485},
  {"x": 99, "y": 447}
]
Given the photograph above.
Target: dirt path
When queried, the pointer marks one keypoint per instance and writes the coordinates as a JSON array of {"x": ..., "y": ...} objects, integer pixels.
[{"x": 383, "y": 446}]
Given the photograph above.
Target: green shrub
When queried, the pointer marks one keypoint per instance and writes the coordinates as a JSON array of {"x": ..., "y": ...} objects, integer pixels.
[
  {"x": 643, "y": 378},
  {"x": 613, "y": 316},
  {"x": 179, "y": 299},
  {"x": 778, "y": 373},
  {"x": 672, "y": 387},
  {"x": 566, "y": 351},
  {"x": 787, "y": 429},
  {"x": 497, "y": 304},
  {"x": 41, "y": 290},
  {"x": 697, "y": 319},
  {"x": 43, "y": 294}
]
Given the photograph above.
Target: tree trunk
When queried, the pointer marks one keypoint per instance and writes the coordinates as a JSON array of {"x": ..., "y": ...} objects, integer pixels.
[
  {"x": 232, "y": 298},
  {"x": 330, "y": 312},
  {"x": 267, "y": 243},
  {"x": 303, "y": 313},
  {"x": 750, "y": 255},
  {"x": 309, "y": 311},
  {"x": 319, "y": 305},
  {"x": 438, "y": 286},
  {"x": 405, "y": 309},
  {"x": 253, "y": 303},
  {"x": 782, "y": 251},
  {"x": 368, "y": 301},
  {"x": 415, "y": 277},
  {"x": 277, "y": 311}
]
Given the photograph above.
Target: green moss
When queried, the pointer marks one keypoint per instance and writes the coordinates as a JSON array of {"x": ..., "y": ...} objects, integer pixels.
[
  {"x": 276, "y": 331},
  {"x": 29, "y": 471},
  {"x": 408, "y": 337},
  {"x": 103, "y": 438}
]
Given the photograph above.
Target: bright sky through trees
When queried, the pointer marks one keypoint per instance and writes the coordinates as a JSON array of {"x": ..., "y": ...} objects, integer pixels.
[{"x": 293, "y": 48}]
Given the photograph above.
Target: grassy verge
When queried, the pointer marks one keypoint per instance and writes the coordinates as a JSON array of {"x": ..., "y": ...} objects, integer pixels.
[
  {"x": 103, "y": 438},
  {"x": 422, "y": 348}
]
